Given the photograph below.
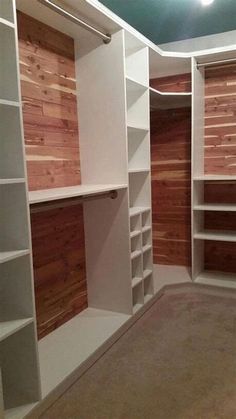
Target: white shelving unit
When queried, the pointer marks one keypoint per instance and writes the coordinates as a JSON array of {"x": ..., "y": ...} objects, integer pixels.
[{"x": 18, "y": 344}]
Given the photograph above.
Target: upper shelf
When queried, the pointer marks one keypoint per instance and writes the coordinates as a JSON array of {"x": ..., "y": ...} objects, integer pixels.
[
  {"x": 47, "y": 195},
  {"x": 169, "y": 100}
]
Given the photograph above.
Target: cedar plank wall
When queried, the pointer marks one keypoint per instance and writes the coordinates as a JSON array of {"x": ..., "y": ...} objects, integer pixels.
[
  {"x": 171, "y": 177},
  {"x": 220, "y": 158},
  {"x": 52, "y": 150}
]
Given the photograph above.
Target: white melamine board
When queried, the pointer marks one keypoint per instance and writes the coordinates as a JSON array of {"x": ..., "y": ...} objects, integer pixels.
[
  {"x": 19, "y": 368},
  {"x": 8, "y": 66},
  {"x": 214, "y": 177},
  {"x": 198, "y": 111},
  {"x": 107, "y": 238},
  {"x": 163, "y": 66},
  {"x": 138, "y": 297},
  {"x": 12, "y": 164},
  {"x": 168, "y": 100},
  {"x": 216, "y": 278},
  {"x": 19, "y": 412},
  {"x": 215, "y": 207},
  {"x": 102, "y": 118},
  {"x": 16, "y": 290},
  {"x": 148, "y": 287},
  {"x": 8, "y": 328},
  {"x": 47, "y": 195},
  {"x": 66, "y": 348},
  {"x": 218, "y": 235},
  {"x": 138, "y": 149},
  {"x": 11, "y": 181},
  {"x": 7, "y": 256},
  {"x": 170, "y": 275},
  {"x": 136, "y": 64},
  {"x": 137, "y": 107},
  {"x": 147, "y": 273},
  {"x": 139, "y": 189},
  {"x": 13, "y": 218},
  {"x": 138, "y": 210},
  {"x": 135, "y": 254},
  {"x": 6, "y": 10}
]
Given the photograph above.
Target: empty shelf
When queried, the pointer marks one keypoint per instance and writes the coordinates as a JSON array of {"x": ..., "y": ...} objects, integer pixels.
[
  {"x": 134, "y": 86},
  {"x": 136, "y": 281},
  {"x": 135, "y": 254},
  {"x": 168, "y": 100},
  {"x": 147, "y": 247},
  {"x": 146, "y": 273},
  {"x": 147, "y": 297},
  {"x": 131, "y": 171},
  {"x": 13, "y": 326},
  {"x": 137, "y": 307},
  {"x": 11, "y": 181},
  {"x": 9, "y": 103},
  {"x": 215, "y": 177},
  {"x": 138, "y": 210},
  {"x": 215, "y": 207},
  {"x": 6, "y": 256},
  {"x": 145, "y": 229},
  {"x": 227, "y": 236},
  {"x": 6, "y": 23},
  {"x": 133, "y": 129},
  {"x": 220, "y": 279},
  {"x": 135, "y": 233},
  {"x": 47, "y": 195}
]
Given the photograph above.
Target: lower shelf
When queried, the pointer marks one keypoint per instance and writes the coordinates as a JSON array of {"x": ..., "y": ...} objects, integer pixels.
[
  {"x": 8, "y": 328},
  {"x": 7, "y": 256},
  {"x": 220, "y": 279}
]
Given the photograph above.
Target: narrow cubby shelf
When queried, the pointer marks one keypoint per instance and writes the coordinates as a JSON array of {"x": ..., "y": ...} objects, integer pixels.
[
  {"x": 5, "y": 102},
  {"x": 167, "y": 100},
  {"x": 6, "y": 23},
  {"x": 133, "y": 85},
  {"x": 216, "y": 278},
  {"x": 215, "y": 207},
  {"x": 136, "y": 129},
  {"x": 146, "y": 247},
  {"x": 146, "y": 273},
  {"x": 8, "y": 328},
  {"x": 135, "y": 233},
  {"x": 6, "y": 256},
  {"x": 135, "y": 254},
  {"x": 11, "y": 181},
  {"x": 138, "y": 297},
  {"x": 145, "y": 229},
  {"x": 217, "y": 235},
  {"x": 136, "y": 281},
  {"x": 138, "y": 210}
]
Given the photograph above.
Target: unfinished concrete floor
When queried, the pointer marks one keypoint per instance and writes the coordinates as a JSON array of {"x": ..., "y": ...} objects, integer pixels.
[{"x": 177, "y": 362}]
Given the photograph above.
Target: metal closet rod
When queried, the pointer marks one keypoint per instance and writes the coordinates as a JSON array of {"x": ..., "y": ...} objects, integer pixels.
[
  {"x": 70, "y": 202},
  {"x": 213, "y": 63},
  {"x": 61, "y": 11}
]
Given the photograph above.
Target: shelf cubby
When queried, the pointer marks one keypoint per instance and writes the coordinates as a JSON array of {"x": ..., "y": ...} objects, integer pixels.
[
  {"x": 146, "y": 239},
  {"x": 137, "y": 98},
  {"x": 147, "y": 262},
  {"x": 136, "y": 245},
  {"x": 6, "y": 10},
  {"x": 19, "y": 368},
  {"x": 138, "y": 297},
  {"x": 135, "y": 225},
  {"x": 139, "y": 189},
  {"x": 137, "y": 270},
  {"x": 136, "y": 59},
  {"x": 148, "y": 287},
  {"x": 138, "y": 150},
  {"x": 13, "y": 218},
  {"x": 11, "y": 147},
  {"x": 146, "y": 219},
  {"x": 8, "y": 65}
]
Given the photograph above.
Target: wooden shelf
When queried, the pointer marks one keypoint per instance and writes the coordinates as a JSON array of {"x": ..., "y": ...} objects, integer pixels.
[
  {"x": 146, "y": 273},
  {"x": 214, "y": 177},
  {"x": 169, "y": 100},
  {"x": 215, "y": 278},
  {"x": 11, "y": 181},
  {"x": 47, "y": 195},
  {"x": 138, "y": 210},
  {"x": 227, "y": 236},
  {"x": 136, "y": 281},
  {"x": 7, "y": 256},
  {"x": 7, "y": 328},
  {"x": 135, "y": 233},
  {"x": 135, "y": 254},
  {"x": 4, "y": 102},
  {"x": 215, "y": 207}
]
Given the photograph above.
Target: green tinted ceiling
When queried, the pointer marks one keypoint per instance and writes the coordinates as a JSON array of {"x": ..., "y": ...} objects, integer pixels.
[{"x": 172, "y": 20}]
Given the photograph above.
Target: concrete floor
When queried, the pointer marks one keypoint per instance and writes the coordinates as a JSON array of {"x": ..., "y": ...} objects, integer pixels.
[{"x": 177, "y": 362}]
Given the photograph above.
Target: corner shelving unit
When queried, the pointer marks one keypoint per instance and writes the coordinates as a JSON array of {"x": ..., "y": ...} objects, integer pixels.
[
  {"x": 18, "y": 353},
  {"x": 200, "y": 206},
  {"x": 138, "y": 145}
]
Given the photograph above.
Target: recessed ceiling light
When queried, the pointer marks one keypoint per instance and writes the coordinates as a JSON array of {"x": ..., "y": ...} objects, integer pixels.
[{"x": 206, "y": 2}]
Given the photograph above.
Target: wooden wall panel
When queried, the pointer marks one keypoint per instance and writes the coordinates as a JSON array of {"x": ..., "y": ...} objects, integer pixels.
[
  {"x": 220, "y": 120},
  {"x": 220, "y": 256},
  {"x": 216, "y": 192},
  {"x": 52, "y": 149},
  {"x": 171, "y": 186},
  {"x": 48, "y": 86}
]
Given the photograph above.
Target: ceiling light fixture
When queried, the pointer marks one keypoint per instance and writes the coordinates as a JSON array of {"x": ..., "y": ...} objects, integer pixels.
[{"x": 206, "y": 2}]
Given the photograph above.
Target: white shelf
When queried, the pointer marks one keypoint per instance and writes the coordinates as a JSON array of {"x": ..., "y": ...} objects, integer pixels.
[
  {"x": 11, "y": 181},
  {"x": 134, "y": 86},
  {"x": 137, "y": 307},
  {"x": 146, "y": 273},
  {"x": 135, "y": 233},
  {"x": 227, "y": 236},
  {"x": 147, "y": 297},
  {"x": 221, "y": 279},
  {"x": 19, "y": 412},
  {"x": 6, "y": 23},
  {"x": 64, "y": 350},
  {"x": 48, "y": 195},
  {"x": 7, "y": 256},
  {"x": 214, "y": 177},
  {"x": 136, "y": 281},
  {"x": 4, "y": 102},
  {"x": 147, "y": 247},
  {"x": 168, "y": 100},
  {"x": 133, "y": 129},
  {"x": 215, "y": 207},
  {"x": 7, "y": 328},
  {"x": 138, "y": 210},
  {"x": 145, "y": 229},
  {"x": 135, "y": 254},
  {"x": 132, "y": 171}
]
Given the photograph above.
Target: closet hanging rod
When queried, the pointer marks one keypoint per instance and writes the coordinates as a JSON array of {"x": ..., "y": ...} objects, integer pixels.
[
  {"x": 69, "y": 202},
  {"x": 213, "y": 63},
  {"x": 75, "y": 19}
]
